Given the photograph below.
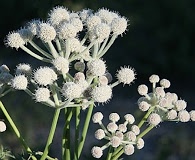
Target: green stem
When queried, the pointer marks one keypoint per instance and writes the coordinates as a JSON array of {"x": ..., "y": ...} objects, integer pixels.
[
  {"x": 67, "y": 54},
  {"x": 52, "y": 50},
  {"x": 109, "y": 155},
  {"x": 16, "y": 131},
  {"x": 146, "y": 116},
  {"x": 35, "y": 55},
  {"x": 78, "y": 109},
  {"x": 118, "y": 155},
  {"x": 85, "y": 129},
  {"x": 51, "y": 134},
  {"x": 117, "y": 151},
  {"x": 48, "y": 157},
  {"x": 103, "y": 46},
  {"x": 59, "y": 47},
  {"x": 6, "y": 92},
  {"x": 148, "y": 129}
]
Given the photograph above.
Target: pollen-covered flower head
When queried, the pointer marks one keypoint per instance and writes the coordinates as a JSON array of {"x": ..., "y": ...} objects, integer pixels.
[
  {"x": 115, "y": 141},
  {"x": 2, "y": 126},
  {"x": 144, "y": 106},
  {"x": 96, "y": 152},
  {"x": 142, "y": 89},
  {"x": 112, "y": 127},
  {"x": 102, "y": 31},
  {"x": 23, "y": 68},
  {"x": 180, "y": 105},
  {"x": 42, "y": 94},
  {"x": 96, "y": 67},
  {"x": 101, "y": 94},
  {"x": 46, "y": 32},
  {"x": 129, "y": 149},
  {"x": 140, "y": 143},
  {"x": 26, "y": 34},
  {"x": 192, "y": 115},
  {"x": 154, "y": 119},
  {"x": 67, "y": 30},
  {"x": 154, "y": 78},
  {"x": 33, "y": 26},
  {"x": 97, "y": 117},
  {"x": 119, "y": 25},
  {"x": 129, "y": 118},
  {"x": 74, "y": 44},
  {"x": 71, "y": 90},
  {"x": 93, "y": 21},
  {"x": 61, "y": 64},
  {"x": 100, "y": 134},
  {"x": 114, "y": 117},
  {"x": 165, "y": 83},
  {"x": 85, "y": 13},
  {"x": 14, "y": 40},
  {"x": 184, "y": 116},
  {"x": 172, "y": 114},
  {"x": 77, "y": 23},
  {"x": 19, "y": 82},
  {"x": 126, "y": 75},
  {"x": 57, "y": 15},
  {"x": 45, "y": 76}
]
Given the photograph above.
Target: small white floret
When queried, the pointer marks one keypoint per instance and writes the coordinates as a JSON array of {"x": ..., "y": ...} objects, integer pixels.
[
  {"x": 129, "y": 149},
  {"x": 96, "y": 152},
  {"x": 154, "y": 119},
  {"x": 19, "y": 82},
  {"x": 184, "y": 116},
  {"x": 2, "y": 126},
  {"x": 61, "y": 64},
  {"x": 97, "y": 117}
]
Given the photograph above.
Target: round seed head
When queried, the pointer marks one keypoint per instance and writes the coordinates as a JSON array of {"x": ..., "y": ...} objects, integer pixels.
[
  {"x": 96, "y": 67},
  {"x": 126, "y": 75},
  {"x": 142, "y": 89},
  {"x": 79, "y": 76},
  {"x": 101, "y": 94},
  {"x": 172, "y": 114},
  {"x": 119, "y": 25},
  {"x": 92, "y": 21},
  {"x": 19, "y": 82},
  {"x": 135, "y": 129},
  {"x": 112, "y": 127},
  {"x": 58, "y": 15},
  {"x": 74, "y": 44},
  {"x": 119, "y": 134},
  {"x": 96, "y": 152},
  {"x": 140, "y": 143},
  {"x": 66, "y": 31},
  {"x": 71, "y": 90},
  {"x": 14, "y": 40},
  {"x": 180, "y": 105},
  {"x": 129, "y": 149},
  {"x": 129, "y": 118},
  {"x": 99, "y": 134},
  {"x": 115, "y": 141},
  {"x": 165, "y": 83},
  {"x": 61, "y": 64},
  {"x": 154, "y": 78},
  {"x": 131, "y": 136},
  {"x": 42, "y": 95},
  {"x": 103, "y": 80},
  {"x": 46, "y": 32},
  {"x": 159, "y": 91},
  {"x": 97, "y": 117},
  {"x": 183, "y": 116},
  {"x": 45, "y": 76},
  {"x": 144, "y": 106},
  {"x": 2, "y": 126},
  {"x": 154, "y": 119},
  {"x": 79, "y": 66},
  {"x": 114, "y": 117},
  {"x": 122, "y": 128},
  {"x": 105, "y": 15}
]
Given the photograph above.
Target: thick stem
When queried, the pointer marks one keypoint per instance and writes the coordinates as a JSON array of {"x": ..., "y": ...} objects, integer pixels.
[
  {"x": 52, "y": 50},
  {"x": 16, "y": 131},
  {"x": 85, "y": 129},
  {"x": 51, "y": 134}
]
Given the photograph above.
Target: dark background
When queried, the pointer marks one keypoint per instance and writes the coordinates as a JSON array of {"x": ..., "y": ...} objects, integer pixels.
[{"x": 160, "y": 39}]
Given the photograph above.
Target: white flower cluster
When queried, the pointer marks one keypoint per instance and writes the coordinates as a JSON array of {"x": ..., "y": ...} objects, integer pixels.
[
  {"x": 125, "y": 135},
  {"x": 2, "y": 126},
  {"x": 163, "y": 106},
  {"x": 64, "y": 47}
]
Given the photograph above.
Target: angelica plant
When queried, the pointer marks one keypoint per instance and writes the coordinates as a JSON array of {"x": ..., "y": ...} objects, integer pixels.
[{"x": 74, "y": 78}]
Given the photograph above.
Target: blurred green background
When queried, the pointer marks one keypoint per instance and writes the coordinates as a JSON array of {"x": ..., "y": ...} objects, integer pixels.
[{"x": 160, "y": 40}]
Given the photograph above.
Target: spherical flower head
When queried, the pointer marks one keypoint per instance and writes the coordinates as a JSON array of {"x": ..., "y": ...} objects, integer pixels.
[
  {"x": 96, "y": 152},
  {"x": 77, "y": 23},
  {"x": 97, "y": 117},
  {"x": 122, "y": 128},
  {"x": 159, "y": 91},
  {"x": 74, "y": 15},
  {"x": 58, "y": 15},
  {"x": 74, "y": 44},
  {"x": 119, "y": 25},
  {"x": 85, "y": 13},
  {"x": 119, "y": 134},
  {"x": 165, "y": 83},
  {"x": 14, "y": 40},
  {"x": 180, "y": 105},
  {"x": 105, "y": 15},
  {"x": 33, "y": 26},
  {"x": 42, "y": 94},
  {"x": 192, "y": 115},
  {"x": 154, "y": 78},
  {"x": 129, "y": 149},
  {"x": 130, "y": 136},
  {"x": 171, "y": 97},
  {"x": 23, "y": 68},
  {"x": 154, "y": 119},
  {"x": 19, "y": 82},
  {"x": 115, "y": 141},
  {"x": 45, "y": 76},
  {"x": 126, "y": 75},
  {"x": 2, "y": 126},
  {"x": 99, "y": 134},
  {"x": 144, "y": 106},
  {"x": 101, "y": 94},
  {"x": 79, "y": 66},
  {"x": 26, "y": 34},
  {"x": 129, "y": 118},
  {"x": 61, "y": 64},
  {"x": 96, "y": 67},
  {"x": 71, "y": 90},
  {"x": 140, "y": 143},
  {"x": 112, "y": 127},
  {"x": 79, "y": 76},
  {"x": 184, "y": 116},
  {"x": 4, "y": 68},
  {"x": 83, "y": 84},
  {"x": 92, "y": 21},
  {"x": 142, "y": 89},
  {"x": 46, "y": 32},
  {"x": 67, "y": 30},
  {"x": 135, "y": 129},
  {"x": 102, "y": 31},
  {"x": 114, "y": 117},
  {"x": 172, "y": 114},
  {"x": 103, "y": 80}
]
